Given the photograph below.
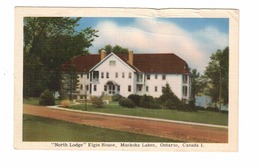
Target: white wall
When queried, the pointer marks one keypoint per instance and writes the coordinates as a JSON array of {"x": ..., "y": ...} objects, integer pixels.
[
  {"x": 174, "y": 80},
  {"x": 119, "y": 67}
]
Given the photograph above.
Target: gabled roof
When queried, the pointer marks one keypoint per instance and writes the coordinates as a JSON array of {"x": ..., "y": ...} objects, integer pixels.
[
  {"x": 161, "y": 63},
  {"x": 81, "y": 63},
  {"x": 122, "y": 59}
]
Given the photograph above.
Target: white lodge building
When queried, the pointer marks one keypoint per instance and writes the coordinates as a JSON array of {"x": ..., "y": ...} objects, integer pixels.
[{"x": 130, "y": 74}]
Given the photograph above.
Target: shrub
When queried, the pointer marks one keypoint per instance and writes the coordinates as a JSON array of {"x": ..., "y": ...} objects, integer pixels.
[
  {"x": 96, "y": 102},
  {"x": 135, "y": 99},
  {"x": 168, "y": 94},
  {"x": 192, "y": 105},
  {"x": 65, "y": 103},
  {"x": 149, "y": 102},
  {"x": 46, "y": 98},
  {"x": 224, "y": 111},
  {"x": 126, "y": 103},
  {"x": 155, "y": 106},
  {"x": 200, "y": 108},
  {"x": 168, "y": 99},
  {"x": 116, "y": 97},
  {"x": 185, "y": 107},
  {"x": 145, "y": 101},
  {"x": 212, "y": 108},
  {"x": 171, "y": 104}
]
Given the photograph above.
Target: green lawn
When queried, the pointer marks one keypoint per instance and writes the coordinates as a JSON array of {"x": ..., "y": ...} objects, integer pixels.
[
  {"x": 45, "y": 129},
  {"x": 208, "y": 117},
  {"x": 35, "y": 101}
]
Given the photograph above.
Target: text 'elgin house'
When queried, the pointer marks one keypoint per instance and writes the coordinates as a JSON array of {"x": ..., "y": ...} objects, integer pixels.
[{"x": 127, "y": 74}]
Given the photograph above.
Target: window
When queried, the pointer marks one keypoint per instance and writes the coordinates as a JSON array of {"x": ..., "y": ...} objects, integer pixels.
[
  {"x": 102, "y": 74},
  {"x": 148, "y": 76},
  {"x": 118, "y": 88},
  {"x": 81, "y": 75},
  {"x": 123, "y": 75},
  {"x": 116, "y": 74},
  {"x": 130, "y": 75},
  {"x": 129, "y": 88},
  {"x": 156, "y": 76},
  {"x": 155, "y": 88},
  {"x": 185, "y": 91},
  {"x": 184, "y": 78},
  {"x": 112, "y": 63},
  {"x": 95, "y": 75},
  {"x": 139, "y": 78},
  {"x": 139, "y": 87},
  {"x": 107, "y": 74},
  {"x": 163, "y": 77},
  {"x": 105, "y": 87},
  {"x": 147, "y": 89},
  {"x": 86, "y": 87},
  {"x": 87, "y": 76},
  {"x": 95, "y": 87},
  {"x": 81, "y": 86}
]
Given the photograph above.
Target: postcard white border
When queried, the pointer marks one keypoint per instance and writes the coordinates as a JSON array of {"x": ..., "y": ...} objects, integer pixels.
[{"x": 233, "y": 16}]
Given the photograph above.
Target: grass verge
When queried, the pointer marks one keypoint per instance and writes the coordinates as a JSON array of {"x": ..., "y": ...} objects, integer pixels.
[
  {"x": 207, "y": 117},
  {"x": 48, "y": 130},
  {"x": 35, "y": 101}
]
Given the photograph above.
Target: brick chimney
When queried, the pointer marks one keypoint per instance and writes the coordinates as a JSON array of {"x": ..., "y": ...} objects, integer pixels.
[
  {"x": 102, "y": 55},
  {"x": 130, "y": 57}
]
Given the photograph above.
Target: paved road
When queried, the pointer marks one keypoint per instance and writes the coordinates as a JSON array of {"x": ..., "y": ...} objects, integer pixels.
[{"x": 176, "y": 131}]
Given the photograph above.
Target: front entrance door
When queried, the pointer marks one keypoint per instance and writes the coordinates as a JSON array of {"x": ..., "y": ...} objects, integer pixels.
[{"x": 111, "y": 89}]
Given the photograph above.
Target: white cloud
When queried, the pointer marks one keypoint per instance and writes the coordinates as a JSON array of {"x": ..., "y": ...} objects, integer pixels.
[
  {"x": 210, "y": 39},
  {"x": 156, "y": 36}
]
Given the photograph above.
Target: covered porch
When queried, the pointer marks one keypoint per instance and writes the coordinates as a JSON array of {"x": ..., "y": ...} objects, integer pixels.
[{"x": 111, "y": 88}]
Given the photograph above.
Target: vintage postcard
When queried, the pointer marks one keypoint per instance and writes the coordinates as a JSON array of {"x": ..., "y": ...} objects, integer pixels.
[{"x": 126, "y": 79}]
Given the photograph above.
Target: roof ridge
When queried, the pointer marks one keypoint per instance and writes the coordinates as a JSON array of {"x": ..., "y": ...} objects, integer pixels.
[{"x": 144, "y": 62}]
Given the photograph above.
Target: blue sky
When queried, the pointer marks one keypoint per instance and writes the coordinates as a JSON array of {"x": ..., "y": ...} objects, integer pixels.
[{"x": 192, "y": 39}]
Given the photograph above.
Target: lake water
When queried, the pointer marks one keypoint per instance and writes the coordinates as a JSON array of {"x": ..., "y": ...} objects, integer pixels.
[{"x": 204, "y": 101}]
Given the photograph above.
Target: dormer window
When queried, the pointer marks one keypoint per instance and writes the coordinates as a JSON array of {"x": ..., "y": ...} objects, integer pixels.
[{"x": 112, "y": 63}]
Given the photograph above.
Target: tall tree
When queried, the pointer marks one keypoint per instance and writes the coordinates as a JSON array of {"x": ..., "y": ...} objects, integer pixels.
[
  {"x": 115, "y": 49},
  {"x": 218, "y": 77},
  {"x": 69, "y": 82},
  {"x": 198, "y": 83},
  {"x": 48, "y": 43}
]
